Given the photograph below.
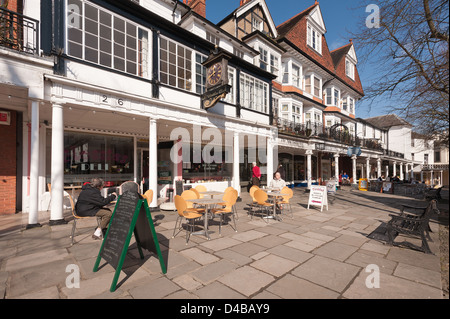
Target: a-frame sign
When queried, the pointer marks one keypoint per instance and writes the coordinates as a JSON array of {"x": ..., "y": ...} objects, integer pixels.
[{"x": 131, "y": 215}]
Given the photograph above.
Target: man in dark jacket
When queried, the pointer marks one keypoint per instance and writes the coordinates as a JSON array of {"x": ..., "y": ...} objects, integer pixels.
[{"x": 91, "y": 203}]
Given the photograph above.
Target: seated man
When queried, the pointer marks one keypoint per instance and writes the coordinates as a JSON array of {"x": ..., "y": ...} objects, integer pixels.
[
  {"x": 91, "y": 203},
  {"x": 277, "y": 182}
]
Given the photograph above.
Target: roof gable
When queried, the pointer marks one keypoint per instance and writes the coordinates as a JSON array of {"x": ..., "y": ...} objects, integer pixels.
[
  {"x": 244, "y": 8},
  {"x": 295, "y": 30},
  {"x": 315, "y": 16},
  {"x": 339, "y": 56}
]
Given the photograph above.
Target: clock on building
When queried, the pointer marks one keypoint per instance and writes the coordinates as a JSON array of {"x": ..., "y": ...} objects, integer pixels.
[
  {"x": 215, "y": 73},
  {"x": 216, "y": 78}
]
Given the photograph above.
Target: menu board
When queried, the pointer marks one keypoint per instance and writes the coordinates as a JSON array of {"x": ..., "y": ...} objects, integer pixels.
[
  {"x": 318, "y": 197},
  {"x": 131, "y": 215}
]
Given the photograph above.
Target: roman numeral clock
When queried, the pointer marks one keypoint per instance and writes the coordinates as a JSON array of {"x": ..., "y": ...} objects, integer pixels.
[{"x": 217, "y": 86}]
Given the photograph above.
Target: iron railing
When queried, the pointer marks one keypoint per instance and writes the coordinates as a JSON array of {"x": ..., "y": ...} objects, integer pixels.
[
  {"x": 19, "y": 32},
  {"x": 317, "y": 130}
]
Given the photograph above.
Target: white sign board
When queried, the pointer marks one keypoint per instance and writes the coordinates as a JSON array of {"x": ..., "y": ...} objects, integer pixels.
[{"x": 318, "y": 197}]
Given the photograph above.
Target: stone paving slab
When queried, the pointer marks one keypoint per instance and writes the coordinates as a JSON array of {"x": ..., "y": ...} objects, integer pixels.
[{"x": 320, "y": 255}]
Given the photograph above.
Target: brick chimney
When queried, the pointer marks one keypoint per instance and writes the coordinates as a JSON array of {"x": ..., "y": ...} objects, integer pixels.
[
  {"x": 244, "y": 2},
  {"x": 198, "y": 6}
]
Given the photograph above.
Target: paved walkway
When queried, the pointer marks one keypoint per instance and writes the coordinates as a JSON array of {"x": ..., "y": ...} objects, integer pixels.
[{"x": 314, "y": 255}]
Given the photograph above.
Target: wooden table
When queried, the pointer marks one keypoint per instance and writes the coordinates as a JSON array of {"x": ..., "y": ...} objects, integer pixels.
[
  {"x": 275, "y": 195},
  {"x": 207, "y": 202}
]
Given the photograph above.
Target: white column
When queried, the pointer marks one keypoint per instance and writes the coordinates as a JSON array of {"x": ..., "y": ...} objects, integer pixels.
[
  {"x": 336, "y": 168},
  {"x": 406, "y": 171},
  {"x": 432, "y": 179},
  {"x": 412, "y": 171},
  {"x": 379, "y": 167},
  {"x": 368, "y": 168},
  {"x": 354, "y": 168},
  {"x": 308, "y": 167},
  {"x": 270, "y": 169},
  {"x": 57, "y": 160},
  {"x": 394, "y": 169},
  {"x": 421, "y": 176},
  {"x": 441, "y": 181},
  {"x": 153, "y": 161},
  {"x": 401, "y": 171},
  {"x": 387, "y": 171},
  {"x": 236, "y": 176},
  {"x": 34, "y": 167}
]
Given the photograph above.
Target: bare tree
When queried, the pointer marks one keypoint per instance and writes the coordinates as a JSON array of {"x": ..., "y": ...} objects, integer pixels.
[{"x": 409, "y": 46}]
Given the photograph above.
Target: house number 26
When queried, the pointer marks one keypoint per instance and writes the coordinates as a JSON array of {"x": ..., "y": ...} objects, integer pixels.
[{"x": 105, "y": 100}]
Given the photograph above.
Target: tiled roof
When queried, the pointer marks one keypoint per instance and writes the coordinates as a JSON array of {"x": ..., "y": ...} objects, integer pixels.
[{"x": 387, "y": 121}]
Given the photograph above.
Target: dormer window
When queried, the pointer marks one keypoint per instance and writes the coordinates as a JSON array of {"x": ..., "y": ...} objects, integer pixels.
[
  {"x": 350, "y": 69},
  {"x": 314, "y": 38},
  {"x": 257, "y": 24}
]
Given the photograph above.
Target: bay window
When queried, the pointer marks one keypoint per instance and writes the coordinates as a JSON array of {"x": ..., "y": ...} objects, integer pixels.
[
  {"x": 101, "y": 37},
  {"x": 175, "y": 64},
  {"x": 254, "y": 93},
  {"x": 296, "y": 76}
]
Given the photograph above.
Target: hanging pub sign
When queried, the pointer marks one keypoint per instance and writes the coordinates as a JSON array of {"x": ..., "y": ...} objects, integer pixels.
[{"x": 217, "y": 86}]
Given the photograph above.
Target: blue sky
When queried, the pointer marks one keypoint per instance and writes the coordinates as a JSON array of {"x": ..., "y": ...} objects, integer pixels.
[{"x": 340, "y": 16}]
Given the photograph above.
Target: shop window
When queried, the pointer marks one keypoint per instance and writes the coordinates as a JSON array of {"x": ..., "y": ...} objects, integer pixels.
[{"x": 88, "y": 155}]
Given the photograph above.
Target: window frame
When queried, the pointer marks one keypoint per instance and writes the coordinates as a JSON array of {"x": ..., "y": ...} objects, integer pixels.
[{"x": 105, "y": 42}]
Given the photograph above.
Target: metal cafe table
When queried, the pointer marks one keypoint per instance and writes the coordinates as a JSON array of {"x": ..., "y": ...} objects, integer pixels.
[
  {"x": 275, "y": 195},
  {"x": 212, "y": 193},
  {"x": 207, "y": 202}
]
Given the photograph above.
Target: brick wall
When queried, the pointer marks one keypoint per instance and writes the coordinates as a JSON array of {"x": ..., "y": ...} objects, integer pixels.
[
  {"x": 8, "y": 166},
  {"x": 14, "y": 5}
]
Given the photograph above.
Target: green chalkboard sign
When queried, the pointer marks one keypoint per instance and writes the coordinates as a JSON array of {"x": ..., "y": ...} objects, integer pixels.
[{"x": 131, "y": 216}]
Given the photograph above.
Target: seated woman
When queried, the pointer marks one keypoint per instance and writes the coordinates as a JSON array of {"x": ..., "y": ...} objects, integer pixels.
[
  {"x": 91, "y": 203},
  {"x": 277, "y": 182}
]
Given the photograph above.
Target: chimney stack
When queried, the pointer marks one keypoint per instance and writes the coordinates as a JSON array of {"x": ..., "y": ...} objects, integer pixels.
[
  {"x": 244, "y": 2},
  {"x": 198, "y": 6}
]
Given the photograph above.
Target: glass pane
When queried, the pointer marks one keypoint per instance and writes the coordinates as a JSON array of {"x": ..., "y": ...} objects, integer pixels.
[
  {"x": 91, "y": 55},
  {"x": 91, "y": 12},
  {"x": 105, "y": 59}
]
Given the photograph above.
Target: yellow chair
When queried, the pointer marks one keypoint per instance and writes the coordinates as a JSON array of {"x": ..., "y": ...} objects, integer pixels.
[
  {"x": 261, "y": 201},
  {"x": 229, "y": 189},
  {"x": 201, "y": 188},
  {"x": 183, "y": 212},
  {"x": 148, "y": 196},
  {"x": 76, "y": 218},
  {"x": 286, "y": 198},
  {"x": 230, "y": 199},
  {"x": 196, "y": 192},
  {"x": 189, "y": 194}
]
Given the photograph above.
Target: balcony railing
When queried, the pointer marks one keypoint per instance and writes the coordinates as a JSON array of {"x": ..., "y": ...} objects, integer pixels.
[
  {"x": 317, "y": 130},
  {"x": 19, "y": 32}
]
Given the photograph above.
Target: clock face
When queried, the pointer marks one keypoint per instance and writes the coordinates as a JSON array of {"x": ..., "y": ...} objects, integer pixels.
[{"x": 214, "y": 74}]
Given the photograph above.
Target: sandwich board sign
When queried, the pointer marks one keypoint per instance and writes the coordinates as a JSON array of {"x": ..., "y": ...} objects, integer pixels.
[
  {"x": 131, "y": 216},
  {"x": 318, "y": 197}
]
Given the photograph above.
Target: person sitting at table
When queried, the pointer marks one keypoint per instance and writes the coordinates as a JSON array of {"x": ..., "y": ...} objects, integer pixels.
[
  {"x": 91, "y": 203},
  {"x": 277, "y": 183}
]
